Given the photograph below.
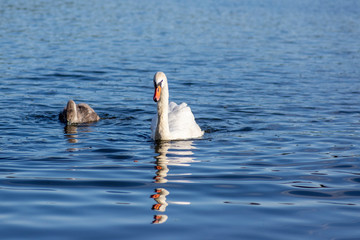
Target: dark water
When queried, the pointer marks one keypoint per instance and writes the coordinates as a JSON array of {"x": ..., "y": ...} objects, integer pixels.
[{"x": 275, "y": 85}]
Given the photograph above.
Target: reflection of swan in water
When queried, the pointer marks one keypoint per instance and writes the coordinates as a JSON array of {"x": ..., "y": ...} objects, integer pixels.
[
  {"x": 161, "y": 204},
  {"x": 180, "y": 154},
  {"x": 71, "y": 134},
  {"x": 160, "y": 198},
  {"x": 158, "y": 219}
]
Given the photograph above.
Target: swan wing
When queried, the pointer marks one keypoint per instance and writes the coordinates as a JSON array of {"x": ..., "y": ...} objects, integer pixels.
[
  {"x": 86, "y": 113},
  {"x": 182, "y": 122}
]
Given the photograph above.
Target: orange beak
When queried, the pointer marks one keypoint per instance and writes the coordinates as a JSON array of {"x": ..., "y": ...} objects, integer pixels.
[{"x": 157, "y": 94}]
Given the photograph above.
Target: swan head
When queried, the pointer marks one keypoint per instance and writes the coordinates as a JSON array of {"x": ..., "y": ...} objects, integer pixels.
[
  {"x": 71, "y": 113},
  {"x": 160, "y": 82}
]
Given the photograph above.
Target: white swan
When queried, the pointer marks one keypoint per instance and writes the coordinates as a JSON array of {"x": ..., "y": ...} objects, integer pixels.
[{"x": 172, "y": 122}]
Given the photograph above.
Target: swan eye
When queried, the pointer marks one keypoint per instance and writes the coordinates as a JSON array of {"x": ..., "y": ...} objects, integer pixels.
[{"x": 159, "y": 84}]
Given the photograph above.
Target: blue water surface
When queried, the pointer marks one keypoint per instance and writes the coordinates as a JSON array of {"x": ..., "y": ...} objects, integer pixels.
[{"x": 274, "y": 84}]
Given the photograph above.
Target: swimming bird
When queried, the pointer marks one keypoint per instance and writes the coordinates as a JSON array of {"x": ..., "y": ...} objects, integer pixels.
[
  {"x": 172, "y": 121},
  {"x": 78, "y": 113}
]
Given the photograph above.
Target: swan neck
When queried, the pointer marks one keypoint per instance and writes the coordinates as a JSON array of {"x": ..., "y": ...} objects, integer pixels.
[
  {"x": 71, "y": 112},
  {"x": 162, "y": 128}
]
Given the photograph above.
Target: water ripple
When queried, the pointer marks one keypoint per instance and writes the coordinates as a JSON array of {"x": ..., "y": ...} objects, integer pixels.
[{"x": 274, "y": 84}]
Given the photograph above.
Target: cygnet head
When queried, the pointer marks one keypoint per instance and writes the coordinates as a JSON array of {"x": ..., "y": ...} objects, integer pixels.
[
  {"x": 71, "y": 113},
  {"x": 160, "y": 81}
]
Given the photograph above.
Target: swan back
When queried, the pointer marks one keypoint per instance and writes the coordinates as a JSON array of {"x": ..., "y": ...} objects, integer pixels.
[{"x": 182, "y": 124}]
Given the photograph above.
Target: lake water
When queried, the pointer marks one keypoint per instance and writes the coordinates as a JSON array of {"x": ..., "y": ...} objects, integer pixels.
[{"x": 274, "y": 84}]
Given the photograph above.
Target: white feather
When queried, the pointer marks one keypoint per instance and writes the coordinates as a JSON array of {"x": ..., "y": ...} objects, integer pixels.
[{"x": 180, "y": 122}]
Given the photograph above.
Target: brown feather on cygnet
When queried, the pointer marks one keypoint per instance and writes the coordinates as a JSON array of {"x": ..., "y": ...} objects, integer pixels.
[{"x": 78, "y": 113}]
